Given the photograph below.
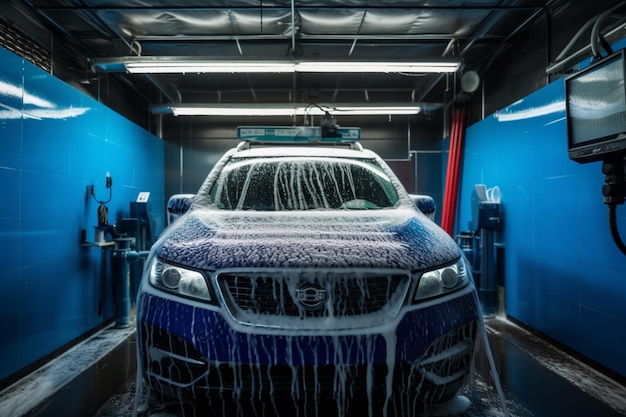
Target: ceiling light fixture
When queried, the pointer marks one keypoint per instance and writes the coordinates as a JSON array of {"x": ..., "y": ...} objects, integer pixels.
[
  {"x": 282, "y": 109},
  {"x": 226, "y": 67},
  {"x": 376, "y": 67},
  {"x": 180, "y": 65}
]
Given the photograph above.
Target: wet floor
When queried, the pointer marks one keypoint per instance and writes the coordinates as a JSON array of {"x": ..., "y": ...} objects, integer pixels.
[{"x": 538, "y": 380}]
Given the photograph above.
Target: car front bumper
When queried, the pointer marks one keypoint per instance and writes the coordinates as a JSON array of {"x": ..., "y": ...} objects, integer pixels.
[{"x": 192, "y": 352}]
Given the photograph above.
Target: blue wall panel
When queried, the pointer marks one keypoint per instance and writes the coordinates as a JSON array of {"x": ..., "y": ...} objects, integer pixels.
[
  {"x": 563, "y": 274},
  {"x": 54, "y": 141}
]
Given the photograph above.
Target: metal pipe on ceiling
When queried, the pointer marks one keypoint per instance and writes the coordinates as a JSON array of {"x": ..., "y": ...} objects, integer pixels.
[
  {"x": 339, "y": 6},
  {"x": 562, "y": 63},
  {"x": 446, "y": 37},
  {"x": 582, "y": 53},
  {"x": 293, "y": 26}
]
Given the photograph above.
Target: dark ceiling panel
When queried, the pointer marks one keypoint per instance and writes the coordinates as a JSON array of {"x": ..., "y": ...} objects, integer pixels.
[{"x": 469, "y": 30}]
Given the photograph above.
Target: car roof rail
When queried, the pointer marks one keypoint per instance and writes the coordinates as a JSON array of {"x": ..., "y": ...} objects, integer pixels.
[
  {"x": 356, "y": 146},
  {"x": 243, "y": 145}
]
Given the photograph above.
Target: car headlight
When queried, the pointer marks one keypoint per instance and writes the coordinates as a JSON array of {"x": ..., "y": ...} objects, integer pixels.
[
  {"x": 442, "y": 280},
  {"x": 180, "y": 281}
]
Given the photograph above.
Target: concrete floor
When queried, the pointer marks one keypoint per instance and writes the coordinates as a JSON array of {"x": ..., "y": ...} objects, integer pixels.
[{"x": 97, "y": 379}]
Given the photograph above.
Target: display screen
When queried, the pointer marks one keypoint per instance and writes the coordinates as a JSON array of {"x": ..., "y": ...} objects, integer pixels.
[
  {"x": 597, "y": 103},
  {"x": 596, "y": 110}
]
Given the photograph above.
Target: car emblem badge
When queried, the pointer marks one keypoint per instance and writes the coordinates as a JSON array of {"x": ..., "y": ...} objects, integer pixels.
[{"x": 311, "y": 297}]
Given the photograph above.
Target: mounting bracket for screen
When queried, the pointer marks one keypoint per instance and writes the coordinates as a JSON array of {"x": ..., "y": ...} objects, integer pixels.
[{"x": 614, "y": 191}]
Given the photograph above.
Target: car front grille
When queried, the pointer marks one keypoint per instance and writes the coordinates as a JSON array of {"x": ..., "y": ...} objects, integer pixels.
[{"x": 256, "y": 298}]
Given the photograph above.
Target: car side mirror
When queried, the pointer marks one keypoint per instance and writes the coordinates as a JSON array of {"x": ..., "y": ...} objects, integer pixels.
[
  {"x": 425, "y": 204},
  {"x": 177, "y": 205}
]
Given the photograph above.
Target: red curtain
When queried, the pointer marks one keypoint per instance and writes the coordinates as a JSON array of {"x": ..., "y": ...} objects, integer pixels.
[{"x": 451, "y": 190}]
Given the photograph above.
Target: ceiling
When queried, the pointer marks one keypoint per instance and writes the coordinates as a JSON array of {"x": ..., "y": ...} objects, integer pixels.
[{"x": 472, "y": 31}]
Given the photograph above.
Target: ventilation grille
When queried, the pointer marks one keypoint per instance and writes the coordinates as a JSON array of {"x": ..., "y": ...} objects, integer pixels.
[
  {"x": 18, "y": 43},
  {"x": 306, "y": 300}
]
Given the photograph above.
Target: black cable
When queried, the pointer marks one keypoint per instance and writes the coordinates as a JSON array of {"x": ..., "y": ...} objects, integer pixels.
[
  {"x": 310, "y": 106},
  {"x": 104, "y": 202},
  {"x": 613, "y": 227},
  {"x": 606, "y": 45}
]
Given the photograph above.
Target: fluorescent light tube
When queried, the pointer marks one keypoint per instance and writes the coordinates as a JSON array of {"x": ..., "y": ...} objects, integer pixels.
[
  {"x": 282, "y": 109},
  {"x": 177, "y": 65},
  {"x": 373, "y": 110},
  {"x": 226, "y": 67},
  {"x": 377, "y": 67},
  {"x": 231, "y": 111}
]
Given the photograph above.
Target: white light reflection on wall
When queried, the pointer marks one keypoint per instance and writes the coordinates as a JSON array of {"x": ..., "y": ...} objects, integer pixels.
[
  {"x": 44, "y": 109},
  {"x": 18, "y": 92},
  {"x": 41, "y": 114},
  {"x": 531, "y": 112}
]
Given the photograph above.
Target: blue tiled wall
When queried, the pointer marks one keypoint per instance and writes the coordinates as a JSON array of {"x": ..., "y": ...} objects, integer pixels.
[
  {"x": 54, "y": 141},
  {"x": 563, "y": 274}
]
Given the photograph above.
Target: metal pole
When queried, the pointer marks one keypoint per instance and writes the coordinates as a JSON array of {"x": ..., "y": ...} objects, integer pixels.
[{"x": 122, "y": 257}]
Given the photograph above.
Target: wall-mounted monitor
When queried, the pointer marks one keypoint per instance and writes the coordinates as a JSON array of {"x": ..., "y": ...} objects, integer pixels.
[{"x": 595, "y": 102}]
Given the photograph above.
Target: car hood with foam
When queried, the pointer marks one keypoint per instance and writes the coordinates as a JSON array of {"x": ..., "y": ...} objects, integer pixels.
[{"x": 211, "y": 239}]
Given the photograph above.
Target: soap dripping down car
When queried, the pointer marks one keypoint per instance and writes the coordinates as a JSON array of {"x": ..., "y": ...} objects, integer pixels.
[{"x": 303, "y": 279}]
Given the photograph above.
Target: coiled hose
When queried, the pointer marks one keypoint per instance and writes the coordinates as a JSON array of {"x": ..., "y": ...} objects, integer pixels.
[{"x": 613, "y": 226}]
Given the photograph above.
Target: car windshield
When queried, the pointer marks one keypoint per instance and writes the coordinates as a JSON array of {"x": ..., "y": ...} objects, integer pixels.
[{"x": 302, "y": 183}]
